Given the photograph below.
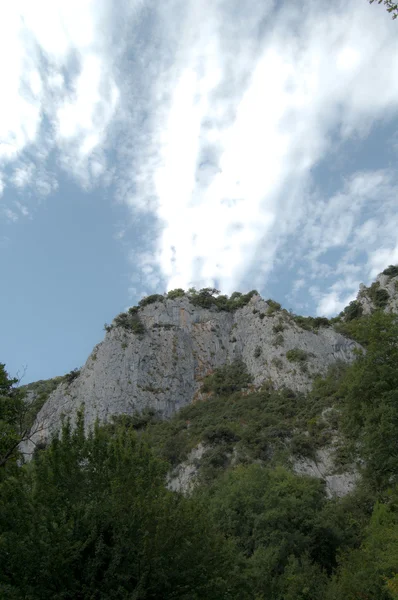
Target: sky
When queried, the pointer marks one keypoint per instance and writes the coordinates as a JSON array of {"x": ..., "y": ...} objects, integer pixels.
[{"x": 146, "y": 146}]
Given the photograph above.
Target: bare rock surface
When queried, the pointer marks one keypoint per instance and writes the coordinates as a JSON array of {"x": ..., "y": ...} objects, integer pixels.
[
  {"x": 322, "y": 467},
  {"x": 163, "y": 368},
  {"x": 382, "y": 282}
]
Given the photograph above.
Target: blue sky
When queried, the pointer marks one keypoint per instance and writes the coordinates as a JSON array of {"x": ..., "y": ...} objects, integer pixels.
[{"x": 151, "y": 145}]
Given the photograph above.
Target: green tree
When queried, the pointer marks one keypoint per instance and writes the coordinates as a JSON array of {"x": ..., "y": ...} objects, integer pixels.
[
  {"x": 91, "y": 518},
  {"x": 370, "y": 571},
  {"x": 16, "y": 417},
  {"x": 369, "y": 398},
  {"x": 274, "y": 517}
]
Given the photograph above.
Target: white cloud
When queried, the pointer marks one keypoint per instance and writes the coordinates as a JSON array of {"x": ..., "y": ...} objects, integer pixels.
[
  {"x": 215, "y": 126},
  {"x": 382, "y": 258},
  {"x": 58, "y": 91},
  {"x": 257, "y": 115},
  {"x": 22, "y": 175}
]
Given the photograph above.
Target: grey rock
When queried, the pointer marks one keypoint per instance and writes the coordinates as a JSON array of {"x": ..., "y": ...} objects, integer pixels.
[
  {"x": 390, "y": 284},
  {"x": 184, "y": 477},
  {"x": 163, "y": 368},
  {"x": 322, "y": 467}
]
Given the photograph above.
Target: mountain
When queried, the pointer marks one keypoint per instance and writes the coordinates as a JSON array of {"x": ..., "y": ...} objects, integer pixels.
[
  {"x": 155, "y": 356},
  {"x": 268, "y": 468}
]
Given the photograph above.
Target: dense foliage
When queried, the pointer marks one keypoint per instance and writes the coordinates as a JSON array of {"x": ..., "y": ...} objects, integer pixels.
[
  {"x": 17, "y": 414},
  {"x": 208, "y": 297},
  {"x": 92, "y": 518},
  {"x": 391, "y": 271}
]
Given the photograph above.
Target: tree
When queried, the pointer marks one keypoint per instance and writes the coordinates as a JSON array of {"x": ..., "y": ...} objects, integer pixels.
[
  {"x": 369, "y": 398},
  {"x": 16, "y": 418},
  {"x": 370, "y": 571},
  {"x": 275, "y": 517},
  {"x": 392, "y": 7},
  {"x": 91, "y": 518}
]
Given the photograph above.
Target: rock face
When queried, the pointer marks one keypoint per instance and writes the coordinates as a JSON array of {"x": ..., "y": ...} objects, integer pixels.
[
  {"x": 163, "y": 368},
  {"x": 383, "y": 293},
  {"x": 183, "y": 477},
  {"x": 322, "y": 467}
]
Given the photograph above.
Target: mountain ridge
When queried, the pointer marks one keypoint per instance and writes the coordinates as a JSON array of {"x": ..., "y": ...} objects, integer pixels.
[{"x": 156, "y": 355}]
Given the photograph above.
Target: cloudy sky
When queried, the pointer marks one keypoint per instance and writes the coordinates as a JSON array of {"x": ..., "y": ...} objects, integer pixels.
[{"x": 148, "y": 145}]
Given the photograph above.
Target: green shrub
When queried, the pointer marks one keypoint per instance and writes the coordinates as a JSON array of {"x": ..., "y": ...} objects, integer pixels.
[
  {"x": 310, "y": 323},
  {"x": 220, "y": 434},
  {"x": 272, "y": 306},
  {"x": 297, "y": 355},
  {"x": 130, "y": 322},
  {"x": 151, "y": 300},
  {"x": 227, "y": 379},
  {"x": 321, "y": 322},
  {"x": 208, "y": 297},
  {"x": 278, "y": 328},
  {"x": 257, "y": 352},
  {"x": 177, "y": 293},
  {"x": 71, "y": 376},
  {"x": 205, "y": 298},
  {"x": 352, "y": 311},
  {"x": 302, "y": 445},
  {"x": 212, "y": 461},
  {"x": 378, "y": 295},
  {"x": 391, "y": 271}
]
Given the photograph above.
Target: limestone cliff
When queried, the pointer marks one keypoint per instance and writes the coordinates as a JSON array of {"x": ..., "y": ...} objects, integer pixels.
[
  {"x": 178, "y": 343},
  {"x": 383, "y": 293}
]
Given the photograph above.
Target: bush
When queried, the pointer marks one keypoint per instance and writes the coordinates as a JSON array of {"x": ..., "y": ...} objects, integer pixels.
[
  {"x": 257, "y": 352},
  {"x": 177, "y": 293},
  {"x": 131, "y": 322},
  {"x": 71, "y": 376},
  {"x": 220, "y": 434},
  {"x": 272, "y": 306},
  {"x": 310, "y": 323},
  {"x": 278, "y": 328},
  {"x": 227, "y": 379},
  {"x": 302, "y": 445},
  {"x": 297, "y": 355},
  {"x": 352, "y": 311},
  {"x": 151, "y": 300},
  {"x": 391, "y": 271},
  {"x": 378, "y": 295},
  {"x": 208, "y": 297}
]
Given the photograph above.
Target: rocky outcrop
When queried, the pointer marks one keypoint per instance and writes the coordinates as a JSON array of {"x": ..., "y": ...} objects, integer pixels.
[
  {"x": 163, "y": 367},
  {"x": 184, "y": 476},
  {"x": 383, "y": 293},
  {"x": 323, "y": 467}
]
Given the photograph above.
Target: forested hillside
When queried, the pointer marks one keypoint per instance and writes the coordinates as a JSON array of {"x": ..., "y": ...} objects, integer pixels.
[{"x": 93, "y": 517}]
